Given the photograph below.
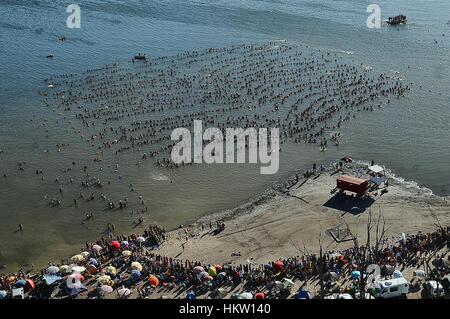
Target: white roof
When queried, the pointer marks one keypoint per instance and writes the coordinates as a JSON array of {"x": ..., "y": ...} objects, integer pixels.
[
  {"x": 393, "y": 282},
  {"x": 376, "y": 168}
]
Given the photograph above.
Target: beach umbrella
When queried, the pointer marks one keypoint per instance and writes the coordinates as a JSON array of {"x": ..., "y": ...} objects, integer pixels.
[
  {"x": 198, "y": 269},
  {"x": 136, "y": 272},
  {"x": 96, "y": 248},
  {"x": 78, "y": 269},
  {"x": 303, "y": 294},
  {"x": 140, "y": 239},
  {"x": 420, "y": 273},
  {"x": 124, "y": 243},
  {"x": 92, "y": 270},
  {"x": 212, "y": 271},
  {"x": 259, "y": 295},
  {"x": 106, "y": 289},
  {"x": 105, "y": 280},
  {"x": 278, "y": 266},
  {"x": 191, "y": 295},
  {"x": 398, "y": 274},
  {"x": 126, "y": 253},
  {"x": 85, "y": 254},
  {"x": 355, "y": 274},
  {"x": 52, "y": 269},
  {"x": 75, "y": 289},
  {"x": 268, "y": 266},
  {"x": 20, "y": 283},
  {"x": 222, "y": 274},
  {"x": 64, "y": 269},
  {"x": 30, "y": 285},
  {"x": 287, "y": 282},
  {"x": 136, "y": 265},
  {"x": 2, "y": 294},
  {"x": 51, "y": 278},
  {"x": 124, "y": 292},
  {"x": 93, "y": 261},
  {"x": 110, "y": 270},
  {"x": 246, "y": 295},
  {"x": 114, "y": 245},
  {"x": 76, "y": 278},
  {"x": 77, "y": 258},
  {"x": 153, "y": 280}
]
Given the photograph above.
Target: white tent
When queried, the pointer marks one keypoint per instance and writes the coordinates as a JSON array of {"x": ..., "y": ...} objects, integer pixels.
[{"x": 376, "y": 169}]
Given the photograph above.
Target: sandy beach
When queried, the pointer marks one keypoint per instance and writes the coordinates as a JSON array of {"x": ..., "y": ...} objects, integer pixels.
[{"x": 287, "y": 221}]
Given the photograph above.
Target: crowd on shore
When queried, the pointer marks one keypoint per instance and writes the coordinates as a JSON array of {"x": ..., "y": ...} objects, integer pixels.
[{"x": 125, "y": 262}]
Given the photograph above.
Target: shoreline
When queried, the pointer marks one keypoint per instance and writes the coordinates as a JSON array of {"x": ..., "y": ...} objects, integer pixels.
[{"x": 279, "y": 191}]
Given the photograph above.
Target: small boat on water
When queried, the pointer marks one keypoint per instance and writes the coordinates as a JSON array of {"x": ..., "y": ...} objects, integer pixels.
[
  {"x": 400, "y": 19},
  {"x": 140, "y": 56},
  {"x": 50, "y": 56}
]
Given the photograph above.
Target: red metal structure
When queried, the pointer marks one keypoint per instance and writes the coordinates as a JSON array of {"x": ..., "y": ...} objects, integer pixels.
[{"x": 352, "y": 184}]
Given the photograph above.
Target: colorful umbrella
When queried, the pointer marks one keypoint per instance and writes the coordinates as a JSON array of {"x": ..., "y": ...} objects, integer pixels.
[
  {"x": 259, "y": 295},
  {"x": 30, "y": 284},
  {"x": 52, "y": 269},
  {"x": 140, "y": 239},
  {"x": 198, "y": 269},
  {"x": 106, "y": 280},
  {"x": 92, "y": 270},
  {"x": 153, "y": 280},
  {"x": 355, "y": 274},
  {"x": 123, "y": 292},
  {"x": 93, "y": 261},
  {"x": 191, "y": 295},
  {"x": 114, "y": 245},
  {"x": 287, "y": 282},
  {"x": 246, "y": 295},
  {"x": 126, "y": 253},
  {"x": 136, "y": 265},
  {"x": 212, "y": 271},
  {"x": 124, "y": 243},
  {"x": 77, "y": 258},
  {"x": 136, "y": 272},
  {"x": 107, "y": 289},
  {"x": 78, "y": 269},
  {"x": 278, "y": 266},
  {"x": 96, "y": 248},
  {"x": 64, "y": 268},
  {"x": 111, "y": 270},
  {"x": 85, "y": 254}
]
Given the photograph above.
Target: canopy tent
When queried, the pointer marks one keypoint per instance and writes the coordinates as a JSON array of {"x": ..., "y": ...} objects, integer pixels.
[{"x": 376, "y": 169}]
